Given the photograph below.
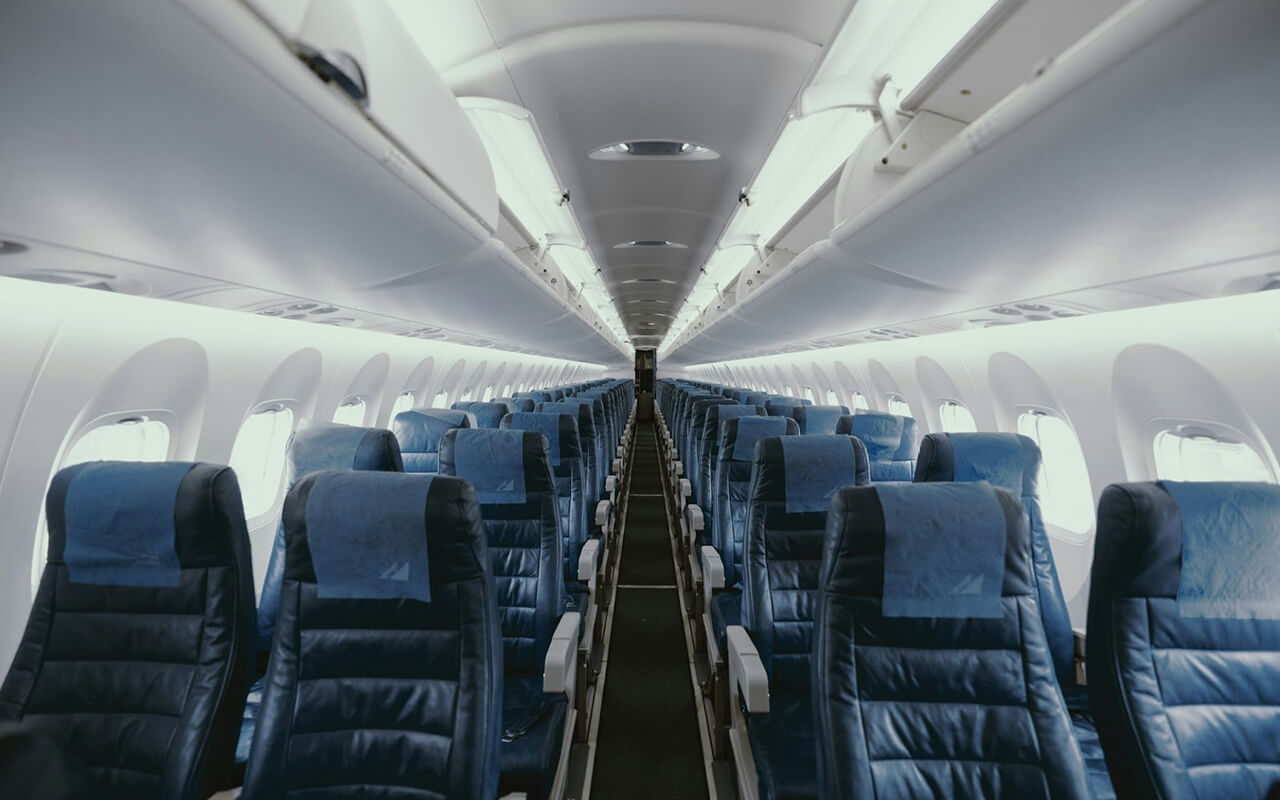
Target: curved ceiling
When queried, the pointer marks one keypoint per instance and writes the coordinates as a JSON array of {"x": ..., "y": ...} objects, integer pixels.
[{"x": 720, "y": 73}]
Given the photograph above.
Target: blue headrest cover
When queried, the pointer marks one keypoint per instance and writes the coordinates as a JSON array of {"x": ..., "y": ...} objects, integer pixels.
[
  {"x": 572, "y": 406},
  {"x": 881, "y": 433},
  {"x": 752, "y": 429},
  {"x": 818, "y": 419},
  {"x": 420, "y": 432},
  {"x": 487, "y": 415},
  {"x": 515, "y": 404},
  {"x": 492, "y": 461},
  {"x": 549, "y": 424},
  {"x": 367, "y": 535},
  {"x": 944, "y": 550},
  {"x": 908, "y": 448},
  {"x": 1230, "y": 549},
  {"x": 816, "y": 466},
  {"x": 1008, "y": 460},
  {"x": 119, "y": 521},
  {"x": 754, "y": 399},
  {"x": 323, "y": 445},
  {"x": 718, "y": 415}
]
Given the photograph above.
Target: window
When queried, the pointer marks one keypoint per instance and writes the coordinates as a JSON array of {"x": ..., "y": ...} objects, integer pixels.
[
  {"x": 832, "y": 398},
  {"x": 258, "y": 458},
  {"x": 859, "y": 402},
  {"x": 807, "y": 393},
  {"x": 506, "y": 390},
  {"x": 351, "y": 412},
  {"x": 956, "y": 418},
  {"x": 897, "y": 405},
  {"x": 403, "y": 402},
  {"x": 1189, "y": 454},
  {"x": 127, "y": 439},
  {"x": 488, "y": 394},
  {"x": 466, "y": 395},
  {"x": 521, "y": 389},
  {"x": 1065, "y": 494},
  {"x": 789, "y": 392}
]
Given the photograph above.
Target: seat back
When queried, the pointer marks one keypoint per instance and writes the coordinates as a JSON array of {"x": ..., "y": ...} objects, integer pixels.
[
  {"x": 561, "y": 431},
  {"x": 511, "y": 473},
  {"x": 792, "y": 482},
  {"x": 419, "y": 432},
  {"x": 694, "y": 443},
  {"x": 320, "y": 446},
  {"x": 734, "y": 463},
  {"x": 138, "y": 652},
  {"x": 590, "y": 414},
  {"x": 486, "y": 414},
  {"x": 818, "y": 419},
  {"x": 516, "y": 404},
  {"x": 779, "y": 406},
  {"x": 386, "y": 675},
  {"x": 890, "y": 440},
  {"x": 712, "y": 428},
  {"x": 1184, "y": 638},
  {"x": 929, "y": 590},
  {"x": 1009, "y": 461}
]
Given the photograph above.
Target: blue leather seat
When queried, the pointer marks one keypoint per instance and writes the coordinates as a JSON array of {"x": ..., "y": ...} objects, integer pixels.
[
  {"x": 890, "y": 440},
  {"x": 932, "y": 674},
  {"x": 386, "y": 672},
  {"x": 794, "y": 479},
  {"x": 511, "y": 473},
  {"x": 138, "y": 651},
  {"x": 712, "y": 430},
  {"x": 590, "y": 414},
  {"x": 486, "y": 414},
  {"x": 694, "y": 444},
  {"x": 1184, "y": 639},
  {"x": 818, "y": 419},
  {"x": 517, "y": 404},
  {"x": 317, "y": 446},
  {"x": 419, "y": 432},
  {"x": 561, "y": 430}
]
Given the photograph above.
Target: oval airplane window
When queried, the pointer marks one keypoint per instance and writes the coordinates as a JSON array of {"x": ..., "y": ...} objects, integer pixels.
[
  {"x": 487, "y": 395},
  {"x": 404, "y": 402},
  {"x": 466, "y": 394},
  {"x": 258, "y": 457},
  {"x": 351, "y": 412},
  {"x": 955, "y": 418},
  {"x": 441, "y": 399},
  {"x": 832, "y": 398},
  {"x": 807, "y": 393},
  {"x": 1188, "y": 453},
  {"x": 1066, "y": 495},
  {"x": 897, "y": 404},
  {"x": 506, "y": 390},
  {"x": 858, "y": 402}
]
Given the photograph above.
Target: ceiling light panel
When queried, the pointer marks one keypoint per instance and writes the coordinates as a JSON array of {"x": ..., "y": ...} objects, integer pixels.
[{"x": 654, "y": 149}]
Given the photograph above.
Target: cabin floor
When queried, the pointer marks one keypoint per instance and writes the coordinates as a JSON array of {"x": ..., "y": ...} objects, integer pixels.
[{"x": 649, "y": 742}]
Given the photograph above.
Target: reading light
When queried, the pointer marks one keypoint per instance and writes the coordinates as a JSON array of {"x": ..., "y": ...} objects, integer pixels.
[{"x": 654, "y": 148}]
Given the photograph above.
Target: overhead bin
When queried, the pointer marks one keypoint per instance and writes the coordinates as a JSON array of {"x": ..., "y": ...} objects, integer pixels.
[{"x": 1146, "y": 149}]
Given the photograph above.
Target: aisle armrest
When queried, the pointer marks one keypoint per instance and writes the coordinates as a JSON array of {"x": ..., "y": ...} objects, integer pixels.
[
  {"x": 561, "y": 664},
  {"x": 589, "y": 563},
  {"x": 712, "y": 574},
  {"x": 747, "y": 676},
  {"x": 694, "y": 522}
]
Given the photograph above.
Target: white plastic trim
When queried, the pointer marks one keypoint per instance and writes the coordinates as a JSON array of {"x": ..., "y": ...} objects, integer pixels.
[
  {"x": 562, "y": 656},
  {"x": 603, "y": 508},
  {"x": 747, "y": 676},
  {"x": 589, "y": 560}
]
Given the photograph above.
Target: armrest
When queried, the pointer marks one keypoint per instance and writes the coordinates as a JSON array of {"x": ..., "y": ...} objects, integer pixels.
[
  {"x": 589, "y": 561},
  {"x": 617, "y": 466},
  {"x": 622, "y": 451},
  {"x": 677, "y": 468},
  {"x": 686, "y": 488},
  {"x": 694, "y": 519},
  {"x": 712, "y": 568},
  {"x": 603, "y": 509},
  {"x": 611, "y": 484},
  {"x": 562, "y": 656},
  {"x": 1078, "y": 636},
  {"x": 746, "y": 671}
]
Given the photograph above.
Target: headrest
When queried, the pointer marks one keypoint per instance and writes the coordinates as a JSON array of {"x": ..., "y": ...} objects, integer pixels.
[
  {"x": 781, "y": 408},
  {"x": 382, "y": 535},
  {"x": 126, "y": 523},
  {"x": 817, "y": 419},
  {"x": 487, "y": 415},
  {"x": 420, "y": 432},
  {"x": 1007, "y": 460},
  {"x": 594, "y": 410},
  {"x": 325, "y": 445},
  {"x": 755, "y": 399},
  {"x": 814, "y": 467},
  {"x": 561, "y": 431},
  {"x": 739, "y": 436},
  {"x": 1215, "y": 547},
  {"x": 718, "y": 415},
  {"x": 929, "y": 550},
  {"x": 516, "y": 404},
  {"x": 501, "y": 465}
]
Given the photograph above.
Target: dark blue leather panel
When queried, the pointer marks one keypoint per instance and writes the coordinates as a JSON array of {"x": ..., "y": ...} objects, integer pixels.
[
  {"x": 726, "y": 610},
  {"x": 927, "y": 707},
  {"x": 694, "y": 444},
  {"x": 487, "y": 414},
  {"x": 890, "y": 440},
  {"x": 518, "y": 404},
  {"x": 733, "y": 485},
  {"x": 529, "y": 759},
  {"x": 818, "y": 419},
  {"x": 321, "y": 446},
  {"x": 782, "y": 552},
  {"x": 144, "y": 685},
  {"x": 591, "y": 434},
  {"x": 1187, "y": 707},
  {"x": 561, "y": 431},
  {"x": 1011, "y": 462},
  {"x": 384, "y": 697},
  {"x": 419, "y": 434},
  {"x": 712, "y": 430},
  {"x": 783, "y": 747}
]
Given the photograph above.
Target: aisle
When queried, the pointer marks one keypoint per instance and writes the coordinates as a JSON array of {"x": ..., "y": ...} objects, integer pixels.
[{"x": 648, "y": 745}]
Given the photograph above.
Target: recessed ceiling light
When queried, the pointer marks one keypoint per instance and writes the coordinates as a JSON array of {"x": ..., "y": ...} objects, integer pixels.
[
  {"x": 650, "y": 243},
  {"x": 648, "y": 300},
  {"x": 654, "y": 148},
  {"x": 649, "y": 280}
]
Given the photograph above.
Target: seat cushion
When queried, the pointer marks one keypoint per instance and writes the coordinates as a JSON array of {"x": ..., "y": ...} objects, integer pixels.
[
  {"x": 533, "y": 731},
  {"x": 1086, "y": 733},
  {"x": 783, "y": 747},
  {"x": 726, "y": 610}
]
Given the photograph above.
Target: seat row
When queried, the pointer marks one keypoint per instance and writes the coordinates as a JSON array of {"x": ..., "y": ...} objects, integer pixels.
[
  {"x": 876, "y": 621},
  {"x": 418, "y": 635}
]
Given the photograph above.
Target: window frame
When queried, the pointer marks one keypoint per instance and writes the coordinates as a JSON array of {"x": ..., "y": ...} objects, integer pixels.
[
  {"x": 1056, "y": 527},
  {"x": 1194, "y": 429},
  {"x": 352, "y": 401},
  {"x": 951, "y": 403}
]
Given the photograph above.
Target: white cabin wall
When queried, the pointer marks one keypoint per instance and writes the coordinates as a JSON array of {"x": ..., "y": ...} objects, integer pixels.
[
  {"x": 1111, "y": 376},
  {"x": 72, "y": 355}
]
